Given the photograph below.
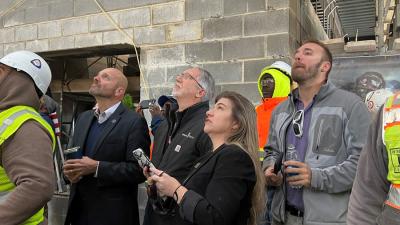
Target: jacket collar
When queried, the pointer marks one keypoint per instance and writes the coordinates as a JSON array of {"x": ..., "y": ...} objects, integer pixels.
[{"x": 323, "y": 92}]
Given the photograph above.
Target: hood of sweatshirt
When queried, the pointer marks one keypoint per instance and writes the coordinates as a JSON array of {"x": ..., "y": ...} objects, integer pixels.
[{"x": 17, "y": 88}]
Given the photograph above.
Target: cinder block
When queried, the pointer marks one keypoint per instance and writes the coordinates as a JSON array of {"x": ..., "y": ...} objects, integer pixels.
[
  {"x": 165, "y": 56},
  {"x": 116, "y": 37},
  {"x": 37, "y": 45},
  {"x": 256, "y": 5},
  {"x": 149, "y": 35},
  {"x": 252, "y": 69},
  {"x": 8, "y": 48},
  {"x": 173, "y": 71},
  {"x": 60, "y": 10},
  {"x": 278, "y": 45},
  {"x": 203, "y": 52},
  {"x": 14, "y": 18},
  {"x": 277, "y": 4},
  {"x": 37, "y": 14},
  {"x": 155, "y": 75},
  {"x": 276, "y": 21},
  {"x": 222, "y": 28},
  {"x": 187, "y": 31},
  {"x": 243, "y": 48},
  {"x": 61, "y": 43},
  {"x": 4, "y": 4},
  {"x": 234, "y": 7},
  {"x": 248, "y": 90},
  {"x": 116, "y": 4},
  {"x": 134, "y": 17},
  {"x": 84, "y": 7},
  {"x": 7, "y": 35},
  {"x": 225, "y": 72},
  {"x": 203, "y": 9},
  {"x": 168, "y": 13},
  {"x": 25, "y": 33},
  {"x": 149, "y": 2},
  {"x": 100, "y": 22},
  {"x": 49, "y": 30},
  {"x": 88, "y": 40},
  {"x": 75, "y": 26}
]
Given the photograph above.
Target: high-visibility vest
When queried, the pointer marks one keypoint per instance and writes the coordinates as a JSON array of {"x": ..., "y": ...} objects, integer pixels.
[
  {"x": 391, "y": 139},
  {"x": 10, "y": 121}
]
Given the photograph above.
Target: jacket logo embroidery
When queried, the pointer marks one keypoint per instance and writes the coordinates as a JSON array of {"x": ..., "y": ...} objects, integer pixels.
[
  {"x": 188, "y": 135},
  {"x": 178, "y": 148}
]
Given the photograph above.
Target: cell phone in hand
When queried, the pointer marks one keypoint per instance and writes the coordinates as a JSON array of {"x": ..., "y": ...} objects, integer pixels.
[
  {"x": 73, "y": 153},
  {"x": 278, "y": 163},
  {"x": 142, "y": 158},
  {"x": 145, "y": 104}
]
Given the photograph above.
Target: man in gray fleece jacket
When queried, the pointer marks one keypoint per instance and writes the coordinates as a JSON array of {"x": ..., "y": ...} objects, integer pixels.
[{"x": 327, "y": 127}]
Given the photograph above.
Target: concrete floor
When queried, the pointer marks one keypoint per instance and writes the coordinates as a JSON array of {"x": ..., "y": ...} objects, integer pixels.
[{"x": 58, "y": 206}]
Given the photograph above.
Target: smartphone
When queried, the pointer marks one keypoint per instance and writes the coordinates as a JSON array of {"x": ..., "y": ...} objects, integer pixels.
[
  {"x": 71, "y": 150},
  {"x": 142, "y": 158},
  {"x": 145, "y": 104},
  {"x": 278, "y": 163},
  {"x": 73, "y": 153}
]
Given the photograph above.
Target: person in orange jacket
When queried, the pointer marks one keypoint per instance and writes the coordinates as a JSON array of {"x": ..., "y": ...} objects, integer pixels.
[{"x": 274, "y": 85}]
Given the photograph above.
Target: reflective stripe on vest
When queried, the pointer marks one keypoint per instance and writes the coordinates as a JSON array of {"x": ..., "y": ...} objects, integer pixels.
[
  {"x": 10, "y": 121},
  {"x": 261, "y": 154},
  {"x": 391, "y": 139}
]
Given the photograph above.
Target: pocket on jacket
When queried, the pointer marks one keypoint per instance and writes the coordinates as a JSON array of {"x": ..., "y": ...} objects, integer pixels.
[{"x": 328, "y": 135}]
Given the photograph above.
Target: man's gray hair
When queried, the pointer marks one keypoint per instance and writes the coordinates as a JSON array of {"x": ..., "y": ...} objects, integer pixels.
[{"x": 208, "y": 83}]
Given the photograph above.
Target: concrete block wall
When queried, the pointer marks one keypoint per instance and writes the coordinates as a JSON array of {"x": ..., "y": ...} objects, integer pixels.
[{"x": 233, "y": 39}]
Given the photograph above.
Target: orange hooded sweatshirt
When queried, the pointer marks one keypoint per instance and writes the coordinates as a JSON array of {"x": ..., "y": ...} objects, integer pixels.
[{"x": 264, "y": 110}]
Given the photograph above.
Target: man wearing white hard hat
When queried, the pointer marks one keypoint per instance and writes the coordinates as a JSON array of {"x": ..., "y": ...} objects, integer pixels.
[
  {"x": 274, "y": 85},
  {"x": 26, "y": 140}
]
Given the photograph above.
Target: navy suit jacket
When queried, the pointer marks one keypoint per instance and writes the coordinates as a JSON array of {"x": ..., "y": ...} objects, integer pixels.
[{"x": 111, "y": 198}]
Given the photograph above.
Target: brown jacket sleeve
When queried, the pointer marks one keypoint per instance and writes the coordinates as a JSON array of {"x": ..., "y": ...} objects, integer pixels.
[{"x": 27, "y": 159}]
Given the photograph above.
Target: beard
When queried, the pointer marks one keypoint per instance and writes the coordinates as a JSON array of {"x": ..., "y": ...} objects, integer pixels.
[
  {"x": 301, "y": 74},
  {"x": 96, "y": 91}
]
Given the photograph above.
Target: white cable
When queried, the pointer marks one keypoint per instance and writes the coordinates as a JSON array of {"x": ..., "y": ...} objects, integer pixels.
[
  {"x": 12, "y": 8},
  {"x": 133, "y": 43}
]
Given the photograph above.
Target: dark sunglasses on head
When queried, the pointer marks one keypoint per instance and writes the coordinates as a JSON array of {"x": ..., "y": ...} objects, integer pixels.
[{"x": 297, "y": 123}]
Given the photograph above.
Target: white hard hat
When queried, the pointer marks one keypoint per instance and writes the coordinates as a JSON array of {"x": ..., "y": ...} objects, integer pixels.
[
  {"x": 32, "y": 64},
  {"x": 375, "y": 99},
  {"x": 282, "y": 66}
]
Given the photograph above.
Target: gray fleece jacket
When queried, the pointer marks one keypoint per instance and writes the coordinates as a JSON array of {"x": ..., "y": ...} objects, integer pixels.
[
  {"x": 370, "y": 186},
  {"x": 26, "y": 156},
  {"x": 337, "y": 133}
]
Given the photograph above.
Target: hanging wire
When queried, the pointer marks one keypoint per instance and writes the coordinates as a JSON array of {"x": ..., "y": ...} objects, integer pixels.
[{"x": 145, "y": 86}]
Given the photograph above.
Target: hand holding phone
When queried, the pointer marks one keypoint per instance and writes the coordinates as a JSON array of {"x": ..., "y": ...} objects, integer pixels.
[
  {"x": 142, "y": 158},
  {"x": 278, "y": 163}
]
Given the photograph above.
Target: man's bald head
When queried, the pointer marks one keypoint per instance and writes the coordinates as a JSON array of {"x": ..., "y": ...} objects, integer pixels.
[{"x": 109, "y": 83}]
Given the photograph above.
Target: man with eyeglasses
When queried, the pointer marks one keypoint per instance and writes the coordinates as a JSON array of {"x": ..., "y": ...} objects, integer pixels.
[
  {"x": 327, "y": 128},
  {"x": 180, "y": 140}
]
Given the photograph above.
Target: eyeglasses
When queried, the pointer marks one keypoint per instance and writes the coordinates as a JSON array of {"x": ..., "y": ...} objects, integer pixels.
[
  {"x": 297, "y": 122},
  {"x": 189, "y": 76}
]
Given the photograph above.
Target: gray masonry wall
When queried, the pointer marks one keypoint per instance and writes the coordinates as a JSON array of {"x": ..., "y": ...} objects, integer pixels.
[{"x": 233, "y": 39}]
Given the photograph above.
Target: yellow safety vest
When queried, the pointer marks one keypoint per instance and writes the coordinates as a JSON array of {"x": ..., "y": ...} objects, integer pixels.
[
  {"x": 391, "y": 139},
  {"x": 10, "y": 120}
]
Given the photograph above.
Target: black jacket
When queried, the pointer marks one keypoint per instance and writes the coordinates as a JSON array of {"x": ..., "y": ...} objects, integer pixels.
[
  {"x": 188, "y": 143},
  {"x": 111, "y": 198}
]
